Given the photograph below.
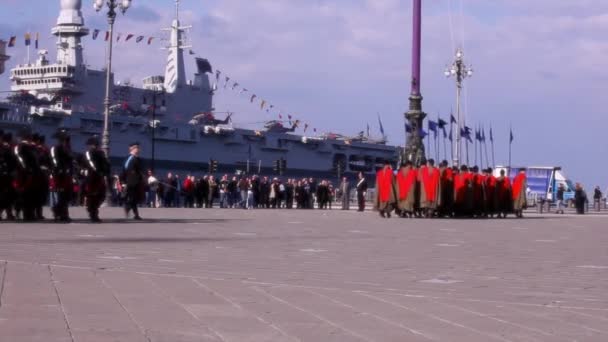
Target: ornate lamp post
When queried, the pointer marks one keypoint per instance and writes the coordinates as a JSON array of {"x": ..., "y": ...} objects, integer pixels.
[
  {"x": 112, "y": 6},
  {"x": 105, "y": 138},
  {"x": 460, "y": 71},
  {"x": 414, "y": 147}
]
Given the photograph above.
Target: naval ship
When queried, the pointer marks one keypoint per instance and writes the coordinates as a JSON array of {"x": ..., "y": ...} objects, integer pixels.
[{"x": 68, "y": 94}]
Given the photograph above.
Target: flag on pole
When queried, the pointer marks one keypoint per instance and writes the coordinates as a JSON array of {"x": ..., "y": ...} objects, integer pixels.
[
  {"x": 36, "y": 41},
  {"x": 441, "y": 124},
  {"x": 422, "y": 133},
  {"x": 28, "y": 39},
  {"x": 118, "y": 37},
  {"x": 11, "y": 41},
  {"x": 244, "y": 90},
  {"x": 253, "y": 98},
  {"x": 150, "y": 40},
  {"x": 450, "y": 137},
  {"x": 226, "y": 83},
  {"x": 452, "y": 119},
  {"x": 129, "y": 36},
  {"x": 305, "y": 127},
  {"x": 280, "y": 116},
  {"x": 95, "y": 34},
  {"x": 433, "y": 127},
  {"x": 368, "y": 130},
  {"x": 235, "y": 85},
  {"x": 483, "y": 135},
  {"x": 381, "y": 127},
  {"x": 408, "y": 128},
  {"x": 217, "y": 75},
  {"x": 139, "y": 39},
  {"x": 107, "y": 36},
  {"x": 491, "y": 136},
  {"x": 511, "y": 138},
  {"x": 262, "y": 104}
]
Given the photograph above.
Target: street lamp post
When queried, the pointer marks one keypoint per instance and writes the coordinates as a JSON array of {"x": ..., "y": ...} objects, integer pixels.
[
  {"x": 460, "y": 71},
  {"x": 112, "y": 6},
  {"x": 105, "y": 138}
]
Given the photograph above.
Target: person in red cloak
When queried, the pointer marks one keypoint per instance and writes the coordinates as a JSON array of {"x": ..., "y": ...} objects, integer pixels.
[
  {"x": 447, "y": 189},
  {"x": 503, "y": 195},
  {"x": 463, "y": 192},
  {"x": 520, "y": 185},
  {"x": 478, "y": 192},
  {"x": 489, "y": 190},
  {"x": 385, "y": 193},
  {"x": 405, "y": 189},
  {"x": 430, "y": 188}
]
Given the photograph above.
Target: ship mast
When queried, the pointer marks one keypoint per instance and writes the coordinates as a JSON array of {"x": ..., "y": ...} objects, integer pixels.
[
  {"x": 414, "y": 148},
  {"x": 175, "y": 73}
]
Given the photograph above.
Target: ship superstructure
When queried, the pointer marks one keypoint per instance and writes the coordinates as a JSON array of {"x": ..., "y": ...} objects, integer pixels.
[{"x": 66, "y": 93}]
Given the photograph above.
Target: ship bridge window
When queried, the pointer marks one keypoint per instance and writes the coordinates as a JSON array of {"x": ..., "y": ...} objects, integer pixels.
[{"x": 65, "y": 69}]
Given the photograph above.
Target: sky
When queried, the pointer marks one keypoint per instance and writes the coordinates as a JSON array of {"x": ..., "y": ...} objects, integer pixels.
[{"x": 540, "y": 66}]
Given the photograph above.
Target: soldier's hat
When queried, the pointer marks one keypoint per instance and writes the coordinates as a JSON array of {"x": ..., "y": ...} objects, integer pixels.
[
  {"x": 62, "y": 135},
  {"x": 134, "y": 144},
  {"x": 93, "y": 141},
  {"x": 464, "y": 168}
]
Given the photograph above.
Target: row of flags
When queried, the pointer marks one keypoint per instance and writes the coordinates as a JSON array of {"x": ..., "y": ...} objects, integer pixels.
[
  {"x": 254, "y": 99},
  {"x": 27, "y": 38},
  {"x": 12, "y": 41},
  {"x": 466, "y": 132}
]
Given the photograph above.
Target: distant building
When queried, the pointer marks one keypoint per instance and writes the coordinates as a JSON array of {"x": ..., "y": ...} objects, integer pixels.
[{"x": 3, "y": 56}]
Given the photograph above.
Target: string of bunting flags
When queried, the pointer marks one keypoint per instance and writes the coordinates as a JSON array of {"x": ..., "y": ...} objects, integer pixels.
[
  {"x": 230, "y": 84},
  {"x": 120, "y": 37}
]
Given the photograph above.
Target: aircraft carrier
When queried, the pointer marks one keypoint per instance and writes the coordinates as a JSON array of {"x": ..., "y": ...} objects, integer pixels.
[{"x": 47, "y": 95}]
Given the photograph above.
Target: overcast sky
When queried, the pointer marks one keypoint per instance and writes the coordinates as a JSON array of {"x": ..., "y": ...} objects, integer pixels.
[{"x": 540, "y": 65}]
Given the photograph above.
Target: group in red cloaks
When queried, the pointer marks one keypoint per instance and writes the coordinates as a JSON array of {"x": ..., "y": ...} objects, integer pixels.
[{"x": 444, "y": 191}]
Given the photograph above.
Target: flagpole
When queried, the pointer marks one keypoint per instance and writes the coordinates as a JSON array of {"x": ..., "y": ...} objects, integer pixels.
[
  {"x": 510, "y": 143},
  {"x": 475, "y": 145},
  {"x": 485, "y": 144},
  {"x": 493, "y": 160},
  {"x": 436, "y": 147},
  {"x": 467, "y": 147}
]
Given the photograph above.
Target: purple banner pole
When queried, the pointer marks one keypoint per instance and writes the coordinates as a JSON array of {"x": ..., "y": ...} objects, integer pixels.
[{"x": 416, "y": 46}]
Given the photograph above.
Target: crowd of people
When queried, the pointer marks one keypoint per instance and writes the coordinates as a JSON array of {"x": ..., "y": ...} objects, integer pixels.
[
  {"x": 444, "y": 191},
  {"x": 241, "y": 191}
]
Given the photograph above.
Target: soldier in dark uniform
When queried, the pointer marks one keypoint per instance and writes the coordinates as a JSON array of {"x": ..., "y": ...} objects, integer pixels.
[
  {"x": 62, "y": 170},
  {"x": 361, "y": 191},
  {"x": 8, "y": 165},
  {"x": 133, "y": 177},
  {"x": 27, "y": 170},
  {"x": 42, "y": 180},
  {"x": 97, "y": 169}
]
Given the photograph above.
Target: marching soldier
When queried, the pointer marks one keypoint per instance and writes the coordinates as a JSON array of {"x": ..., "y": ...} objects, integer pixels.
[
  {"x": 41, "y": 182},
  {"x": 133, "y": 178},
  {"x": 8, "y": 165},
  {"x": 27, "y": 169},
  {"x": 361, "y": 191},
  {"x": 405, "y": 189},
  {"x": 385, "y": 194},
  {"x": 62, "y": 170},
  {"x": 520, "y": 185},
  {"x": 430, "y": 188},
  {"x": 96, "y": 170}
]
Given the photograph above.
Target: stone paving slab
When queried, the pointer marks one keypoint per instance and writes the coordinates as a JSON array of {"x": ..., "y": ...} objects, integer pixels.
[{"x": 268, "y": 275}]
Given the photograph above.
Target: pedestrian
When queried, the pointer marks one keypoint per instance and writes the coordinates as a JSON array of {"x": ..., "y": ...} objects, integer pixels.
[
  {"x": 361, "y": 192},
  {"x": 134, "y": 181},
  {"x": 97, "y": 169},
  {"x": 597, "y": 198},
  {"x": 560, "y": 198},
  {"x": 345, "y": 193},
  {"x": 580, "y": 199}
]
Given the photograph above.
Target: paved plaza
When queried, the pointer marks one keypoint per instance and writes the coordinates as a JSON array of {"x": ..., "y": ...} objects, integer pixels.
[{"x": 278, "y": 275}]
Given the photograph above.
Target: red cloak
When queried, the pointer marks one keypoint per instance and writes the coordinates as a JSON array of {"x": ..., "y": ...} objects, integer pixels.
[
  {"x": 518, "y": 184},
  {"x": 460, "y": 186},
  {"x": 406, "y": 182},
  {"x": 385, "y": 183},
  {"x": 430, "y": 180}
]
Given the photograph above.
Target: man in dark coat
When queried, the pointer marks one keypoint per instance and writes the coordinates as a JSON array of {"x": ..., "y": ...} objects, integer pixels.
[
  {"x": 97, "y": 169},
  {"x": 133, "y": 177},
  {"x": 63, "y": 172},
  {"x": 8, "y": 166},
  {"x": 42, "y": 180},
  {"x": 361, "y": 191}
]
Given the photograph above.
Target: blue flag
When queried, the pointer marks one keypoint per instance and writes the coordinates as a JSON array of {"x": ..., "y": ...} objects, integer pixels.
[
  {"x": 483, "y": 135},
  {"x": 381, "y": 127},
  {"x": 450, "y": 137},
  {"x": 408, "y": 128},
  {"x": 491, "y": 136},
  {"x": 452, "y": 119},
  {"x": 432, "y": 126},
  {"x": 511, "y": 136},
  {"x": 422, "y": 133}
]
